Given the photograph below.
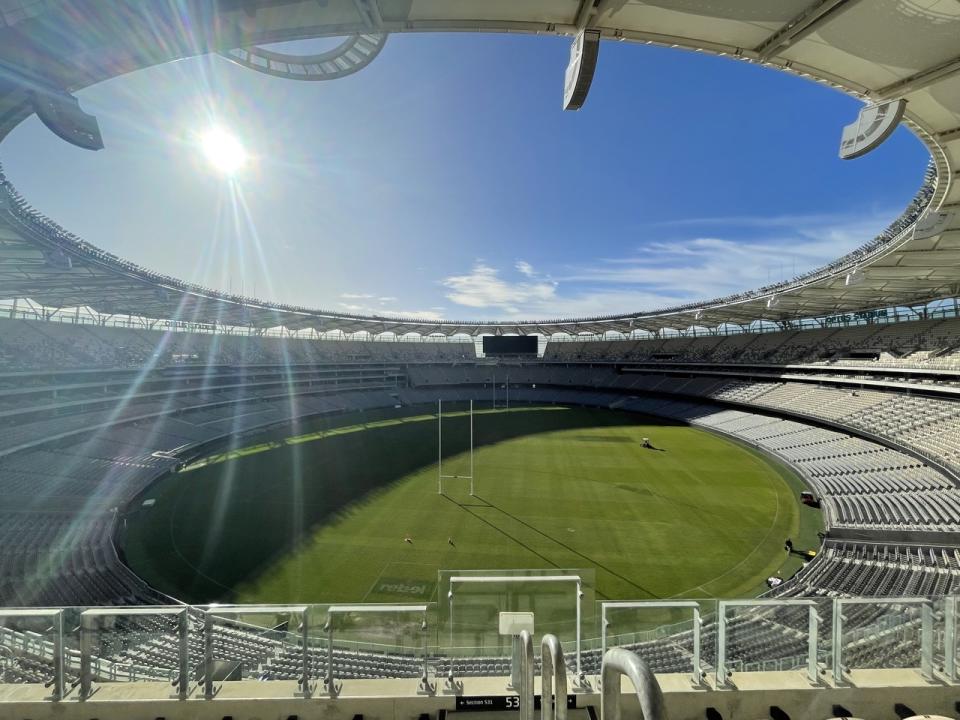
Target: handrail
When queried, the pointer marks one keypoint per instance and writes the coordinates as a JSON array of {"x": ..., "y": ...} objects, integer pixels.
[
  {"x": 526, "y": 676},
  {"x": 617, "y": 662},
  {"x": 553, "y": 680}
]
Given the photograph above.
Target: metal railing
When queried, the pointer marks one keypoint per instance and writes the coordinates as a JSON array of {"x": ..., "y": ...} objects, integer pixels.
[
  {"x": 619, "y": 662},
  {"x": 92, "y": 622},
  {"x": 526, "y": 675},
  {"x": 75, "y": 652},
  {"x": 553, "y": 679},
  {"x": 879, "y": 632},
  {"x": 549, "y": 579},
  {"x": 813, "y": 620},
  {"x": 334, "y": 611},
  {"x": 298, "y": 612},
  {"x": 695, "y": 623}
]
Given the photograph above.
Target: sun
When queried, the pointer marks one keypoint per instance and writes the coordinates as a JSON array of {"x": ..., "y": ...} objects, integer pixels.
[{"x": 223, "y": 151}]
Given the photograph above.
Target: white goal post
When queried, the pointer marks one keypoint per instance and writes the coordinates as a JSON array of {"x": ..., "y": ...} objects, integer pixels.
[{"x": 440, "y": 476}]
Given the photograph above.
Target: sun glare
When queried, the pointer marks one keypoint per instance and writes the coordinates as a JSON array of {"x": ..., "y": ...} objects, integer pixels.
[{"x": 223, "y": 151}]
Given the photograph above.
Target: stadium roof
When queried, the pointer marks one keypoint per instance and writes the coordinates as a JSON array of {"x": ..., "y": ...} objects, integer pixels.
[{"x": 877, "y": 50}]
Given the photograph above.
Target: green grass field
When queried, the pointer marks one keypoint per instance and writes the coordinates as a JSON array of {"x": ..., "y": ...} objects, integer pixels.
[{"x": 320, "y": 512}]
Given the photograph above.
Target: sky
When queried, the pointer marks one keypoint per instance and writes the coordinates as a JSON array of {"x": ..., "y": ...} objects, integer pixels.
[{"x": 444, "y": 180}]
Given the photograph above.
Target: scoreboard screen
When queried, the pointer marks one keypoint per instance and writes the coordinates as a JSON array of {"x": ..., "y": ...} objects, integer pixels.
[{"x": 494, "y": 345}]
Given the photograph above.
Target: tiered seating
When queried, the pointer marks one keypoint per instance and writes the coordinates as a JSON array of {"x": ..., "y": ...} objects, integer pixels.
[
  {"x": 863, "y": 483},
  {"x": 33, "y": 344},
  {"x": 60, "y": 497},
  {"x": 353, "y": 664},
  {"x": 152, "y": 642},
  {"x": 881, "y": 570},
  {"x": 931, "y": 343},
  {"x": 63, "y": 559},
  {"x": 76, "y": 445}
]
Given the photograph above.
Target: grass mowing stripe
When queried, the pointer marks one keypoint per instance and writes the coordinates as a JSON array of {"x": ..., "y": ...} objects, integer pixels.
[{"x": 318, "y": 513}]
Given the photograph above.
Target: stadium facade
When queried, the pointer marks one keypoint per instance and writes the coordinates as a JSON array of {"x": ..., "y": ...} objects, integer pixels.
[{"x": 114, "y": 376}]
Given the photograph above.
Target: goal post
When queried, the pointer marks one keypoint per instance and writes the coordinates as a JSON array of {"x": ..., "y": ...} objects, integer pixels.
[{"x": 440, "y": 476}]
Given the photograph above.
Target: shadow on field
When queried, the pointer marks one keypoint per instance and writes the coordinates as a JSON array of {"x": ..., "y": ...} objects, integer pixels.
[
  {"x": 217, "y": 527},
  {"x": 591, "y": 562},
  {"x": 511, "y": 538}
]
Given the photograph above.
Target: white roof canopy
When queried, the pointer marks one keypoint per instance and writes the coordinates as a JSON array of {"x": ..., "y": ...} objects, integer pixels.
[{"x": 877, "y": 50}]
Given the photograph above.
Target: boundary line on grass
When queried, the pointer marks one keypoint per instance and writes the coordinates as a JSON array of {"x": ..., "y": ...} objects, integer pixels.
[{"x": 746, "y": 557}]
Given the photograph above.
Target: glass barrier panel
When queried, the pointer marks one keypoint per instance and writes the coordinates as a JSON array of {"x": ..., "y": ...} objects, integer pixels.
[
  {"x": 33, "y": 651},
  {"x": 129, "y": 644},
  {"x": 186, "y": 651},
  {"x": 672, "y": 636},
  {"x": 767, "y": 635},
  {"x": 255, "y": 642},
  {"x": 875, "y": 633},
  {"x": 366, "y": 641},
  {"x": 561, "y": 601}
]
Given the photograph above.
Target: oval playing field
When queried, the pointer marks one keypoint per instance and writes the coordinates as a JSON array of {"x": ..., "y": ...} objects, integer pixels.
[{"x": 347, "y": 509}]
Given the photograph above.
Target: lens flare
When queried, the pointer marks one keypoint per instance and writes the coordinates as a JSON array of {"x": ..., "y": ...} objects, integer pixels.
[{"x": 223, "y": 151}]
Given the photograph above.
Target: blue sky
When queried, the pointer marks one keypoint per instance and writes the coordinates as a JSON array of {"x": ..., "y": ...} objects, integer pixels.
[{"x": 444, "y": 180}]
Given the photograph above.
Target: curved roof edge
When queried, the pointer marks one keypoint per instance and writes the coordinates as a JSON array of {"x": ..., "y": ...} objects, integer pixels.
[
  {"x": 62, "y": 248},
  {"x": 910, "y": 263}
]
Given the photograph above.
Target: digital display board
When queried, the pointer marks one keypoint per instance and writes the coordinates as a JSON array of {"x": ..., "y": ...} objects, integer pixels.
[{"x": 510, "y": 345}]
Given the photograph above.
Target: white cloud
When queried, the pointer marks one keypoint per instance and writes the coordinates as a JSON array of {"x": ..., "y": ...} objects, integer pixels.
[
  {"x": 482, "y": 287},
  {"x": 357, "y": 309},
  {"x": 663, "y": 273},
  {"x": 356, "y": 296},
  {"x": 702, "y": 268},
  {"x": 524, "y": 268},
  {"x": 418, "y": 314}
]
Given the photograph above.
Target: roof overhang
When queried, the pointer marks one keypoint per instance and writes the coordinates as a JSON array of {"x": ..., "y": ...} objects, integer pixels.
[{"x": 876, "y": 50}]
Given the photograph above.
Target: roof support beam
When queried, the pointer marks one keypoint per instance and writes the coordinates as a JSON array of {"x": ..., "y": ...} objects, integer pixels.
[
  {"x": 583, "y": 14},
  {"x": 922, "y": 79},
  {"x": 949, "y": 135},
  {"x": 802, "y": 25},
  {"x": 590, "y": 10},
  {"x": 370, "y": 12}
]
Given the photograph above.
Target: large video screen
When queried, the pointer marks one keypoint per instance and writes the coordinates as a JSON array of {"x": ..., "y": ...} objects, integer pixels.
[{"x": 510, "y": 344}]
